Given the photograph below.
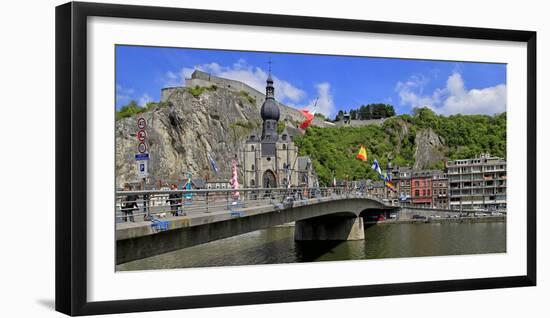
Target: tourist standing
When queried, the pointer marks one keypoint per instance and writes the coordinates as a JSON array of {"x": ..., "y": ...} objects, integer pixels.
[
  {"x": 129, "y": 204},
  {"x": 175, "y": 200}
]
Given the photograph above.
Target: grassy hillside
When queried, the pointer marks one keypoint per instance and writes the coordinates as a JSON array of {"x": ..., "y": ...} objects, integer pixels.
[{"x": 333, "y": 150}]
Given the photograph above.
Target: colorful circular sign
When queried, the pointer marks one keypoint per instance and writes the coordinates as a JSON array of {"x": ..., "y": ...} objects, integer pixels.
[
  {"x": 141, "y": 123},
  {"x": 142, "y": 147},
  {"x": 141, "y": 135}
]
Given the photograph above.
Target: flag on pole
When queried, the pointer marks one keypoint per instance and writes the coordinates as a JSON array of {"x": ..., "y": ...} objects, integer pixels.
[
  {"x": 309, "y": 115},
  {"x": 187, "y": 186},
  {"x": 376, "y": 167},
  {"x": 213, "y": 164},
  {"x": 234, "y": 180},
  {"x": 362, "y": 155}
]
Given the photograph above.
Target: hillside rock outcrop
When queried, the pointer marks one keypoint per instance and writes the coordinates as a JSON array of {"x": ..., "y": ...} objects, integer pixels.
[
  {"x": 182, "y": 134},
  {"x": 429, "y": 149}
]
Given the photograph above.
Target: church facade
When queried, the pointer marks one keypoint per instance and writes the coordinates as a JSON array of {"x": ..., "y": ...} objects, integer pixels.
[{"x": 269, "y": 159}]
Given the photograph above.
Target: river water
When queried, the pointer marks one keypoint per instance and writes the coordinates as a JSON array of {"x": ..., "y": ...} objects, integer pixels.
[{"x": 276, "y": 245}]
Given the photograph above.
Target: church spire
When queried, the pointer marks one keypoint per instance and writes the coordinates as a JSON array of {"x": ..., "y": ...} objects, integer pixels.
[
  {"x": 269, "y": 89},
  {"x": 270, "y": 111}
]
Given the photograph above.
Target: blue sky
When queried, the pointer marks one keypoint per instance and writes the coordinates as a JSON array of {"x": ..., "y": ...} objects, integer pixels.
[{"x": 340, "y": 82}]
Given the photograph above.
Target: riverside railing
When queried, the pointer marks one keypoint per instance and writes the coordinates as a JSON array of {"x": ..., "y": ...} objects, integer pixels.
[{"x": 146, "y": 204}]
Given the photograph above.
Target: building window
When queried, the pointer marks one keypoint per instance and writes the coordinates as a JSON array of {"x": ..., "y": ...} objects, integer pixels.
[
  {"x": 252, "y": 148},
  {"x": 284, "y": 145},
  {"x": 253, "y": 167},
  {"x": 252, "y": 183}
]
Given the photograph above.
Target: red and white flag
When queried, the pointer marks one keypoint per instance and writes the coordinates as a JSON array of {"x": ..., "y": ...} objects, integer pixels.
[{"x": 309, "y": 115}]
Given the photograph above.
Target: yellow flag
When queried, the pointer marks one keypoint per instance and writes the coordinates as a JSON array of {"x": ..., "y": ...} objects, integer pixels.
[{"x": 362, "y": 155}]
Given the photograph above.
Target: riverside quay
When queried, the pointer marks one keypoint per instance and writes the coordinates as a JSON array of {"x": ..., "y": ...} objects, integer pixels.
[{"x": 467, "y": 184}]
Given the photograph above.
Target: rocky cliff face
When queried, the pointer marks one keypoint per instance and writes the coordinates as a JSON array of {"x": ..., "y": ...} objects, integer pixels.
[
  {"x": 186, "y": 128},
  {"x": 429, "y": 149},
  {"x": 182, "y": 134}
]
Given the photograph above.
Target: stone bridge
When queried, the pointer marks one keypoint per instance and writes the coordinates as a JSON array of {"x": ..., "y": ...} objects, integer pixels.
[{"x": 335, "y": 217}]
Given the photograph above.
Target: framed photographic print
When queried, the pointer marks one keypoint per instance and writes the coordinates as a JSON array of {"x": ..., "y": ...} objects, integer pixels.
[{"x": 208, "y": 158}]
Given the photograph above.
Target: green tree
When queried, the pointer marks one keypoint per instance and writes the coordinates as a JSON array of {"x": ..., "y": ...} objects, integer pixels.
[
  {"x": 129, "y": 110},
  {"x": 333, "y": 150},
  {"x": 339, "y": 116}
]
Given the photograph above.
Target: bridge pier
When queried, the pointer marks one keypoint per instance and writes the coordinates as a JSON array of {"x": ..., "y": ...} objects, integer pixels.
[{"x": 330, "y": 228}]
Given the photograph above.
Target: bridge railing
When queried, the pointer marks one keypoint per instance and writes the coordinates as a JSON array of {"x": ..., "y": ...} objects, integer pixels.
[{"x": 143, "y": 205}]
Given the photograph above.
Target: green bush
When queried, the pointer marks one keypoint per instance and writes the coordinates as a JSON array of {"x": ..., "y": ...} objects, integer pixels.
[
  {"x": 130, "y": 110},
  {"x": 133, "y": 108},
  {"x": 196, "y": 91},
  {"x": 247, "y": 97},
  {"x": 280, "y": 127}
]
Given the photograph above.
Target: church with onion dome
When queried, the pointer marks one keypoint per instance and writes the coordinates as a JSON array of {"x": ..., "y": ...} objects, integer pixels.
[{"x": 269, "y": 159}]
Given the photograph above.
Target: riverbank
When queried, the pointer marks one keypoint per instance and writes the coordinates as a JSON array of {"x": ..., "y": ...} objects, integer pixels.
[{"x": 483, "y": 219}]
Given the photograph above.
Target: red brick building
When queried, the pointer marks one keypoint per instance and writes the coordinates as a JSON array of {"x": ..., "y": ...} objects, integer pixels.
[{"x": 422, "y": 188}]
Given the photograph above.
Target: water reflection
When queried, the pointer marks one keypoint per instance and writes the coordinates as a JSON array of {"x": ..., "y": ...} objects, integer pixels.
[{"x": 276, "y": 245}]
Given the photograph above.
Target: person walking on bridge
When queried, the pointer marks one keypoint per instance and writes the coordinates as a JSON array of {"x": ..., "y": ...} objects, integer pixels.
[
  {"x": 129, "y": 204},
  {"x": 175, "y": 200}
]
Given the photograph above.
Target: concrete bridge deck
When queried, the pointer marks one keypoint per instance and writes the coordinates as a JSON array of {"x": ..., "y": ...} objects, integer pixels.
[{"x": 335, "y": 216}]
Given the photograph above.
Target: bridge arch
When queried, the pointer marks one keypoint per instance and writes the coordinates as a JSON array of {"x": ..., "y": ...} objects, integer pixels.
[{"x": 334, "y": 217}]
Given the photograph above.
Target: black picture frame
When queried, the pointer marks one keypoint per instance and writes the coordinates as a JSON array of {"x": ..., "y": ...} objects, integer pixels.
[{"x": 71, "y": 157}]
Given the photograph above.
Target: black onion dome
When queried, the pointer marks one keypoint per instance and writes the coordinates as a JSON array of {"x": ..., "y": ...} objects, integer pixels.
[{"x": 270, "y": 110}]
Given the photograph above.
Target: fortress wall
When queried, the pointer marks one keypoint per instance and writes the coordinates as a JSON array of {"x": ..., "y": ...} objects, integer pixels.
[
  {"x": 358, "y": 123},
  {"x": 203, "y": 79}
]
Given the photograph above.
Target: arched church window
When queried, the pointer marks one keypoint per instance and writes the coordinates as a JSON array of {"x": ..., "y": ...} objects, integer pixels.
[
  {"x": 252, "y": 183},
  {"x": 252, "y": 148},
  {"x": 284, "y": 145},
  {"x": 252, "y": 167}
]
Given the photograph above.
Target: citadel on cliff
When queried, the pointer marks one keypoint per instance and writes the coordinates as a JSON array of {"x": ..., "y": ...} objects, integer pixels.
[{"x": 223, "y": 122}]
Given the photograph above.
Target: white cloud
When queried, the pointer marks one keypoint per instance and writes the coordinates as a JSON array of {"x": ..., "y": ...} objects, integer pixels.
[
  {"x": 241, "y": 71},
  {"x": 144, "y": 99},
  {"x": 325, "y": 101},
  {"x": 487, "y": 100},
  {"x": 454, "y": 98},
  {"x": 123, "y": 94},
  {"x": 171, "y": 79}
]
